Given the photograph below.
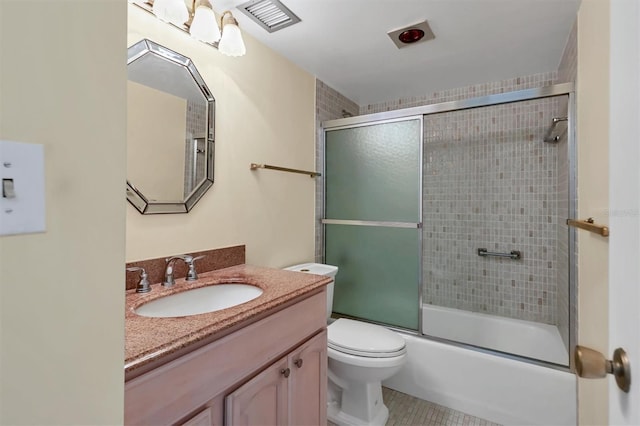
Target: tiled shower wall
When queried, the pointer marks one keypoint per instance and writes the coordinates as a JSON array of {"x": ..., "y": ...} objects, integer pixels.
[
  {"x": 330, "y": 104},
  {"x": 564, "y": 302},
  {"x": 196, "y": 119},
  {"x": 567, "y": 305},
  {"x": 568, "y": 68},
  {"x": 490, "y": 182}
]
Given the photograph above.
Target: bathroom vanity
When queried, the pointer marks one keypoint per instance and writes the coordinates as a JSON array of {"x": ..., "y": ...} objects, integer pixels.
[{"x": 262, "y": 362}]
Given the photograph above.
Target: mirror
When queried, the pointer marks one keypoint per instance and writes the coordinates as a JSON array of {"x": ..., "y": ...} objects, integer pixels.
[{"x": 170, "y": 131}]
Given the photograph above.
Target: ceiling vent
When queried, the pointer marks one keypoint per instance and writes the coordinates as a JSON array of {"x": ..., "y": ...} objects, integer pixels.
[{"x": 269, "y": 14}]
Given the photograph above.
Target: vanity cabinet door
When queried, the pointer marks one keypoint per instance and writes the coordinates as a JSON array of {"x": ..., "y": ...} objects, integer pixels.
[
  {"x": 308, "y": 387},
  {"x": 263, "y": 400},
  {"x": 203, "y": 418},
  {"x": 293, "y": 391}
]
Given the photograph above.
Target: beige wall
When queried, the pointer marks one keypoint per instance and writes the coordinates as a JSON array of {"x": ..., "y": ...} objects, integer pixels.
[
  {"x": 63, "y": 85},
  {"x": 264, "y": 114},
  {"x": 156, "y": 121},
  {"x": 593, "y": 197}
]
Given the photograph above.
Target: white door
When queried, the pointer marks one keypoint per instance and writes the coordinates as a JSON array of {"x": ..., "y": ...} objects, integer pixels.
[{"x": 624, "y": 203}]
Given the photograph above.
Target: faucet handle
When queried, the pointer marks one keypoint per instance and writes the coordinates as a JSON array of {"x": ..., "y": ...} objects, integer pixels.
[
  {"x": 192, "y": 275},
  {"x": 187, "y": 258},
  {"x": 143, "y": 285}
]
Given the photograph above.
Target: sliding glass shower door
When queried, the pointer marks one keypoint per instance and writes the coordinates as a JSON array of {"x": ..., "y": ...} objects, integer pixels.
[{"x": 372, "y": 219}]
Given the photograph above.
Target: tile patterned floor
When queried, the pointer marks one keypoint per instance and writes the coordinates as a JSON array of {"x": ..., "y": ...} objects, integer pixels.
[{"x": 406, "y": 410}]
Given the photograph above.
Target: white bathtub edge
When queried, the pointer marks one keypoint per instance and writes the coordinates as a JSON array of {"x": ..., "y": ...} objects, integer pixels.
[
  {"x": 486, "y": 386},
  {"x": 509, "y": 335}
]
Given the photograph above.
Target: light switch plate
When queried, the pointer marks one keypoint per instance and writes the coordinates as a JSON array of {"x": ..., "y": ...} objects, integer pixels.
[{"x": 24, "y": 164}]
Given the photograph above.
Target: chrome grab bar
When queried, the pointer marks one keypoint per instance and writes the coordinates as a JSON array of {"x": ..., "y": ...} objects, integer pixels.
[{"x": 513, "y": 255}]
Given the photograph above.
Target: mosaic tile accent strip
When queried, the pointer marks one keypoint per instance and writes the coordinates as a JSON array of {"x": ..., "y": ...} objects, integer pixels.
[
  {"x": 490, "y": 182},
  {"x": 406, "y": 410}
]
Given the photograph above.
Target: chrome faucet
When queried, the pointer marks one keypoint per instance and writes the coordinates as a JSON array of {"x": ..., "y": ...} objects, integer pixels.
[
  {"x": 143, "y": 285},
  {"x": 192, "y": 275},
  {"x": 169, "y": 280}
]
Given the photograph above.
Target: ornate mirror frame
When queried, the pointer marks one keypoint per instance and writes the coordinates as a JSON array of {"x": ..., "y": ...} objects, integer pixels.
[{"x": 143, "y": 203}]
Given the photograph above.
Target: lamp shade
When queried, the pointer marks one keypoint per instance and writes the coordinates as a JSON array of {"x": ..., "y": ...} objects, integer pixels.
[
  {"x": 173, "y": 11},
  {"x": 204, "y": 26},
  {"x": 231, "y": 43}
]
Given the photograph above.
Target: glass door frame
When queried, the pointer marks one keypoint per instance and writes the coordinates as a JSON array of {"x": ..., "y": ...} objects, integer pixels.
[
  {"x": 388, "y": 224},
  {"x": 470, "y": 103}
]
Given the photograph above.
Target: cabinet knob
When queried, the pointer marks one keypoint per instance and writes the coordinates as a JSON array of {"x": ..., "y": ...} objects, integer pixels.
[
  {"x": 285, "y": 372},
  {"x": 298, "y": 362}
]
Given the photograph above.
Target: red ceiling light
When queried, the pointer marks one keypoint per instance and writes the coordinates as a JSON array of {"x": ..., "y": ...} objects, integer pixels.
[{"x": 411, "y": 35}]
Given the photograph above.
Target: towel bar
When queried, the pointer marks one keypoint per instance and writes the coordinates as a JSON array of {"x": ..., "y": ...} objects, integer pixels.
[
  {"x": 590, "y": 226},
  {"x": 255, "y": 166}
]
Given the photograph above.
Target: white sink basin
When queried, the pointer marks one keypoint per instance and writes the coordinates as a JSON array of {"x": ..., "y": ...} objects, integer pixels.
[{"x": 199, "y": 300}]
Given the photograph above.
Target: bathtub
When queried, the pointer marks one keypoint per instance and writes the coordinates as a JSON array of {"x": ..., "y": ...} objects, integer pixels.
[
  {"x": 524, "y": 338},
  {"x": 485, "y": 385}
]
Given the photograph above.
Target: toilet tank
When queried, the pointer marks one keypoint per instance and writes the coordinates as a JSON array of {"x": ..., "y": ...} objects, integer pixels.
[{"x": 319, "y": 269}]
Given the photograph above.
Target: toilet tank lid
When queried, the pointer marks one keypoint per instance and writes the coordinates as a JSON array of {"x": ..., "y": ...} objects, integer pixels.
[
  {"x": 363, "y": 337},
  {"x": 314, "y": 268}
]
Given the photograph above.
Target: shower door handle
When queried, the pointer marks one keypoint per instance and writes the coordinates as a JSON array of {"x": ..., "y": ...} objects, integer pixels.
[{"x": 591, "y": 364}]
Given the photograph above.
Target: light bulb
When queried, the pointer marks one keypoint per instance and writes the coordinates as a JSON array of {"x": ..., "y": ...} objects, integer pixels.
[
  {"x": 173, "y": 11},
  {"x": 204, "y": 26},
  {"x": 231, "y": 43}
]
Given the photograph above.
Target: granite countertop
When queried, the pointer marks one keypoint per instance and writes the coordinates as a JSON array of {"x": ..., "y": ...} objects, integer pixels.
[{"x": 152, "y": 340}]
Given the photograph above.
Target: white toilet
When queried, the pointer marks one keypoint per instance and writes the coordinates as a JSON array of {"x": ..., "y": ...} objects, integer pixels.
[{"x": 361, "y": 356}]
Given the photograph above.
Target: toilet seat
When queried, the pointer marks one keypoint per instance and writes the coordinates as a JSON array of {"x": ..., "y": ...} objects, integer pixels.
[{"x": 364, "y": 340}]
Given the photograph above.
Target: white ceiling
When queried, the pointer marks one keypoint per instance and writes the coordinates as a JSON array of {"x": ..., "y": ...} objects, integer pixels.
[{"x": 344, "y": 43}]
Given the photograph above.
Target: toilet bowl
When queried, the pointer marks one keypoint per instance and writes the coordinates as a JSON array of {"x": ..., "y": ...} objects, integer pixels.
[{"x": 361, "y": 356}]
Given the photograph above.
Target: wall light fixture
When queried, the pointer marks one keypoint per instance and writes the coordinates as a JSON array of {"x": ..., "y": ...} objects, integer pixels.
[{"x": 197, "y": 18}]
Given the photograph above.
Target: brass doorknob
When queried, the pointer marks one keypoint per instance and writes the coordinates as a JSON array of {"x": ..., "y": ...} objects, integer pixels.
[{"x": 591, "y": 364}]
